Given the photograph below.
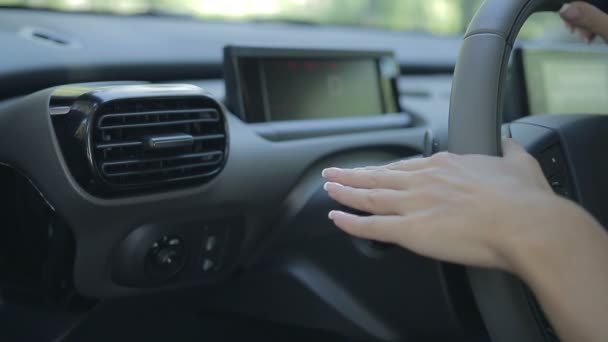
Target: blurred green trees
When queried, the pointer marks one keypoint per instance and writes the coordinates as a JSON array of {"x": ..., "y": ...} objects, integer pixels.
[{"x": 444, "y": 17}]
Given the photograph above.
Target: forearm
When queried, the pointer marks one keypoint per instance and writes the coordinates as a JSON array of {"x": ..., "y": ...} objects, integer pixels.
[{"x": 568, "y": 272}]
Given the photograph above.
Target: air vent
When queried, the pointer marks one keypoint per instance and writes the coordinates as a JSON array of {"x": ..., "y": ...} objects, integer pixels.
[
  {"x": 143, "y": 137},
  {"x": 157, "y": 141}
]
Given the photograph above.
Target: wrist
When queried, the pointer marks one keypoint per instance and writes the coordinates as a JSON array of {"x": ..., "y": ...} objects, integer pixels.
[{"x": 558, "y": 230}]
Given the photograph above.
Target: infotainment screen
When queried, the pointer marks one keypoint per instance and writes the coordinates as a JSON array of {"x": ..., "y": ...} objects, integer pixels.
[
  {"x": 564, "y": 81},
  {"x": 264, "y": 85}
]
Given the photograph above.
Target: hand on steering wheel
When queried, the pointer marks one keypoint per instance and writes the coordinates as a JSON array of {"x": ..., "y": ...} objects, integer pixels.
[
  {"x": 491, "y": 212},
  {"x": 472, "y": 209},
  {"x": 586, "y": 19}
]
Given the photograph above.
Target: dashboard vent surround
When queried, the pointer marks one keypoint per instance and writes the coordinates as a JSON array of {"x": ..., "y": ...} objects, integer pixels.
[
  {"x": 129, "y": 139},
  {"x": 151, "y": 142}
]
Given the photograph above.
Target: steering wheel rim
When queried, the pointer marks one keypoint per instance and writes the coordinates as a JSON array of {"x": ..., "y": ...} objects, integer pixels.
[{"x": 474, "y": 128}]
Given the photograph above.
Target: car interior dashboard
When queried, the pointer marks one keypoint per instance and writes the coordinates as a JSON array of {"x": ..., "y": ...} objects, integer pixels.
[{"x": 167, "y": 158}]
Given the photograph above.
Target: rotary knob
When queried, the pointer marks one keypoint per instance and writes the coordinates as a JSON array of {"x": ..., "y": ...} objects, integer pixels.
[{"x": 166, "y": 257}]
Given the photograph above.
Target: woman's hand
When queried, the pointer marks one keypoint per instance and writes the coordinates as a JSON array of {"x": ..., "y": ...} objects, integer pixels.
[
  {"x": 462, "y": 209},
  {"x": 586, "y": 19},
  {"x": 489, "y": 212}
]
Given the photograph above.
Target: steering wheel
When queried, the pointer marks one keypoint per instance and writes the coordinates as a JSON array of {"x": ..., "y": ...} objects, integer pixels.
[{"x": 475, "y": 128}]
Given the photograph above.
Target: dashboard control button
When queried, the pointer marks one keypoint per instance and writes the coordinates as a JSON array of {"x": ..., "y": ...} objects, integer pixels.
[
  {"x": 215, "y": 239},
  {"x": 211, "y": 243},
  {"x": 552, "y": 161},
  {"x": 175, "y": 242},
  {"x": 208, "y": 265},
  {"x": 563, "y": 192},
  {"x": 559, "y": 183},
  {"x": 166, "y": 257}
]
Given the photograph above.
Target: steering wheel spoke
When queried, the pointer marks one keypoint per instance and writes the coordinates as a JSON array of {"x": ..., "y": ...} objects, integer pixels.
[{"x": 570, "y": 148}]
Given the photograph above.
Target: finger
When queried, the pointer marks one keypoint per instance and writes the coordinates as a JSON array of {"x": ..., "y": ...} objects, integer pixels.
[
  {"x": 367, "y": 179},
  {"x": 376, "y": 201},
  {"x": 383, "y": 178},
  {"x": 569, "y": 27},
  {"x": 586, "y": 36},
  {"x": 411, "y": 164},
  {"x": 378, "y": 228},
  {"x": 414, "y": 164},
  {"x": 388, "y": 202},
  {"x": 511, "y": 148},
  {"x": 586, "y": 16}
]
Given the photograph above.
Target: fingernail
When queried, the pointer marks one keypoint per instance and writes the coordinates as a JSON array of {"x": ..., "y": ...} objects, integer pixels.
[
  {"x": 570, "y": 12},
  {"x": 331, "y": 172},
  {"x": 335, "y": 213},
  {"x": 331, "y": 186}
]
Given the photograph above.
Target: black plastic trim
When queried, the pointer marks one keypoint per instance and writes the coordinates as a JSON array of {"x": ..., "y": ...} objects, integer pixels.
[
  {"x": 89, "y": 114},
  {"x": 293, "y": 130}
]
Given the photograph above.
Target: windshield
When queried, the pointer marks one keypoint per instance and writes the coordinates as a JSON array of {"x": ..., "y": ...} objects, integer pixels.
[{"x": 441, "y": 17}]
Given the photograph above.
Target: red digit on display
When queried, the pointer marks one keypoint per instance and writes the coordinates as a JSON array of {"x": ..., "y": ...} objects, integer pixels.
[{"x": 310, "y": 66}]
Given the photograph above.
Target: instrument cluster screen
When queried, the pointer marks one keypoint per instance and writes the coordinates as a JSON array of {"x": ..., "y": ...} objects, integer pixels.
[{"x": 560, "y": 81}]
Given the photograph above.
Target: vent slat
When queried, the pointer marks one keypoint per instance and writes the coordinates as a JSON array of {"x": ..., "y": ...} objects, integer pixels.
[
  {"x": 123, "y": 159},
  {"x": 157, "y": 124},
  {"x": 119, "y": 145},
  {"x": 161, "y": 170},
  {"x": 179, "y": 178},
  {"x": 164, "y": 112},
  {"x": 156, "y": 118},
  {"x": 168, "y": 159},
  {"x": 185, "y": 178},
  {"x": 139, "y": 143}
]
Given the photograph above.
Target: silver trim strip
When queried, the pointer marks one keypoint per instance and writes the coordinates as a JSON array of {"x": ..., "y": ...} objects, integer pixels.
[{"x": 60, "y": 110}]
